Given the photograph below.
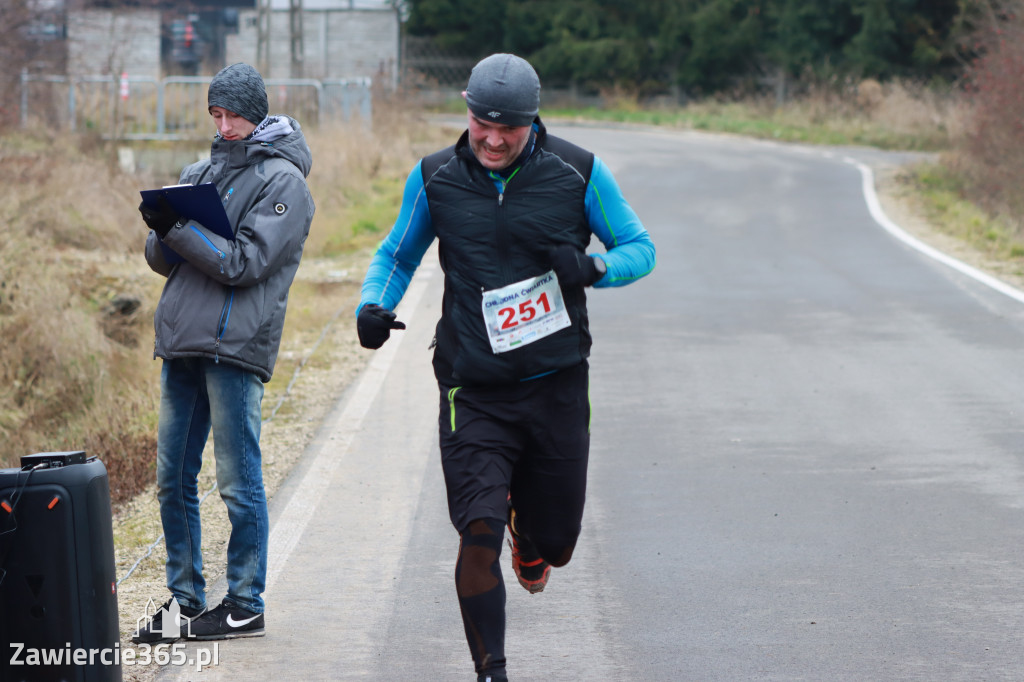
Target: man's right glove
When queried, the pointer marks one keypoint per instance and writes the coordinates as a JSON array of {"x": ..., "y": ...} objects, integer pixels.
[
  {"x": 160, "y": 219},
  {"x": 374, "y": 325}
]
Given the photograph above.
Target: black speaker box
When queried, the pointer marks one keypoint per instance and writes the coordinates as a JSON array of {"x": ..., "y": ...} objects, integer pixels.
[{"x": 58, "y": 594}]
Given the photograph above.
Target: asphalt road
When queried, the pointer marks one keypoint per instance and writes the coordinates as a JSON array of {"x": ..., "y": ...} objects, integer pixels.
[{"x": 807, "y": 460}]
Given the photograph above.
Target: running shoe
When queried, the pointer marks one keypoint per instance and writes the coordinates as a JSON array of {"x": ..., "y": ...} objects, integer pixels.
[
  {"x": 227, "y": 622},
  {"x": 532, "y": 571},
  {"x": 155, "y": 632}
]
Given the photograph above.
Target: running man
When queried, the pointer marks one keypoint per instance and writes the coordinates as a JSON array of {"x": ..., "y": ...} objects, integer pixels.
[{"x": 513, "y": 210}]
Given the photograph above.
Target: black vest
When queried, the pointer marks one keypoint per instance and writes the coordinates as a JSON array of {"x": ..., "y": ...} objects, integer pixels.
[{"x": 488, "y": 240}]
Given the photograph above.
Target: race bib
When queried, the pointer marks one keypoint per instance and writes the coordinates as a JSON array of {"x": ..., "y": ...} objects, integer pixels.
[{"x": 524, "y": 312}]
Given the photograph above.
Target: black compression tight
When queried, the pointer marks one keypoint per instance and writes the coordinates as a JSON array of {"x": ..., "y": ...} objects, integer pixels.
[{"x": 481, "y": 593}]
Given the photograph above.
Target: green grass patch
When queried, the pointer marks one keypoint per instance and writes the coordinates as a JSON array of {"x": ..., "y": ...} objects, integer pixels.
[{"x": 943, "y": 192}]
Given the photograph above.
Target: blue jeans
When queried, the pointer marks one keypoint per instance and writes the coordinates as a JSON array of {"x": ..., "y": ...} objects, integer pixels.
[{"x": 197, "y": 394}]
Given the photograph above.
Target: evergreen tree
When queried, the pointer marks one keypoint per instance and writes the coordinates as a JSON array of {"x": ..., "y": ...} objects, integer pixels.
[
  {"x": 808, "y": 36},
  {"x": 873, "y": 50},
  {"x": 725, "y": 40},
  {"x": 700, "y": 45},
  {"x": 465, "y": 26},
  {"x": 593, "y": 44}
]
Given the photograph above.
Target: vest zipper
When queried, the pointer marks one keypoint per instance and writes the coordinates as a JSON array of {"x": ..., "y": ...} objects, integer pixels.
[
  {"x": 503, "y": 242},
  {"x": 501, "y": 229}
]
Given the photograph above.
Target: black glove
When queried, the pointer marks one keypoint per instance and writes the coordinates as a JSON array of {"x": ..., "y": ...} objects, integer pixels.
[
  {"x": 374, "y": 325},
  {"x": 573, "y": 267},
  {"x": 160, "y": 219}
]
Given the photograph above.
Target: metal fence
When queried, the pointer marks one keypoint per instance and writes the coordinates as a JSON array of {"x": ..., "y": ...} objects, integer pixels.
[
  {"x": 141, "y": 108},
  {"x": 427, "y": 66}
]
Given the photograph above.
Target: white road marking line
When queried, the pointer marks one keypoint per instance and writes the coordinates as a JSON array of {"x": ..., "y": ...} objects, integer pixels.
[
  {"x": 296, "y": 515},
  {"x": 875, "y": 207}
]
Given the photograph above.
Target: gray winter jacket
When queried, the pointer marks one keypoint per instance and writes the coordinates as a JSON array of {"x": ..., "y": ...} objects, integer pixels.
[{"x": 227, "y": 300}]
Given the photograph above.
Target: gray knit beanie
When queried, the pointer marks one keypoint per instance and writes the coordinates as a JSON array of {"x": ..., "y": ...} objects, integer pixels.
[
  {"x": 505, "y": 89},
  {"x": 239, "y": 88}
]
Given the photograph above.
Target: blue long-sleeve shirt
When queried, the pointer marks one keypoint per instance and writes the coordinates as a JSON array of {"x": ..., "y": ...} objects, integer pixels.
[{"x": 629, "y": 255}]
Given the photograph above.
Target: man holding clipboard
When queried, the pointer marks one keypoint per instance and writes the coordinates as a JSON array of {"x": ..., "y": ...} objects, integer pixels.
[{"x": 229, "y": 241}]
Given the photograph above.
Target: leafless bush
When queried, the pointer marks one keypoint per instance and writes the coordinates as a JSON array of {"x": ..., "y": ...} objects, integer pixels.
[{"x": 990, "y": 152}]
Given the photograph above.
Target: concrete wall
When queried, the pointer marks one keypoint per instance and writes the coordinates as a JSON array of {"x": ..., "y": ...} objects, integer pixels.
[
  {"x": 337, "y": 44},
  {"x": 103, "y": 42}
]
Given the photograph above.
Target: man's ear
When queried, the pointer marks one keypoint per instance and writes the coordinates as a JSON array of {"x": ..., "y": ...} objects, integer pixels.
[{"x": 463, "y": 94}]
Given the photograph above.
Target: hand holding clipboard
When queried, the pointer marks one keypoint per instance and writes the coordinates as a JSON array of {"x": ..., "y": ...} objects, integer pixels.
[{"x": 200, "y": 203}]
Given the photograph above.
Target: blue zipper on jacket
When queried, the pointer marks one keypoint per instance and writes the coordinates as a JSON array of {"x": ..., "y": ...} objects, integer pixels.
[
  {"x": 222, "y": 324},
  {"x": 220, "y": 254}
]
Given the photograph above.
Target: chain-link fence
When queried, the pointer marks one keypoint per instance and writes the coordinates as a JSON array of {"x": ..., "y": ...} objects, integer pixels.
[
  {"x": 430, "y": 73},
  {"x": 174, "y": 108}
]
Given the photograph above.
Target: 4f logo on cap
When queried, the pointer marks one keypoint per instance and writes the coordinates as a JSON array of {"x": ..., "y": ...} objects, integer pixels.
[
  {"x": 494, "y": 114},
  {"x": 280, "y": 208}
]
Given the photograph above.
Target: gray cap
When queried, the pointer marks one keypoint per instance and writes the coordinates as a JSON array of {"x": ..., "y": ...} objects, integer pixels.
[
  {"x": 504, "y": 88},
  {"x": 239, "y": 88}
]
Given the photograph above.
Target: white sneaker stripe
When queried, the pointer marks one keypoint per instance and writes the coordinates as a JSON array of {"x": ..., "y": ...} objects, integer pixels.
[{"x": 239, "y": 623}]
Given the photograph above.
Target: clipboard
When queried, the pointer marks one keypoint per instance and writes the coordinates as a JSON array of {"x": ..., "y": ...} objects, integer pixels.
[{"x": 196, "y": 202}]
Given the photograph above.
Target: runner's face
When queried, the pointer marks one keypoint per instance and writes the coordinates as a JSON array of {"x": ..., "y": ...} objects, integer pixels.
[
  {"x": 496, "y": 146},
  {"x": 230, "y": 125}
]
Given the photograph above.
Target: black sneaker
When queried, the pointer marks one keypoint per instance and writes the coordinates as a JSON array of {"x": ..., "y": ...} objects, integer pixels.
[
  {"x": 155, "y": 631},
  {"x": 227, "y": 622}
]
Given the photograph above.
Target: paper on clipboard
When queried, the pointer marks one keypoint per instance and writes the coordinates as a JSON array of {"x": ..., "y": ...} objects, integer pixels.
[{"x": 200, "y": 203}]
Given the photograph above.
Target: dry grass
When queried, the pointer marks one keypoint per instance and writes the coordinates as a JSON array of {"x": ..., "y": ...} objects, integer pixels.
[
  {"x": 358, "y": 182},
  {"x": 77, "y": 299},
  {"x": 74, "y": 369},
  {"x": 894, "y": 115}
]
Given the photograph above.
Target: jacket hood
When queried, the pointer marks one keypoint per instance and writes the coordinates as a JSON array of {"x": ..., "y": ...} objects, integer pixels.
[{"x": 226, "y": 154}]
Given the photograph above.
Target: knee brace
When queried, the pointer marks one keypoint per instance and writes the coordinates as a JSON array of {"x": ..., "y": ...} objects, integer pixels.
[{"x": 477, "y": 570}]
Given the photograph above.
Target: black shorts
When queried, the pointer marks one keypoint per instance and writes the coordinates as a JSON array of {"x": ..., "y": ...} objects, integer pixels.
[{"x": 531, "y": 439}]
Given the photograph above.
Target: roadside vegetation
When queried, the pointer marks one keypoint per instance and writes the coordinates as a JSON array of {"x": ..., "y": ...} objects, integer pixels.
[
  {"x": 77, "y": 299},
  {"x": 897, "y": 115}
]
